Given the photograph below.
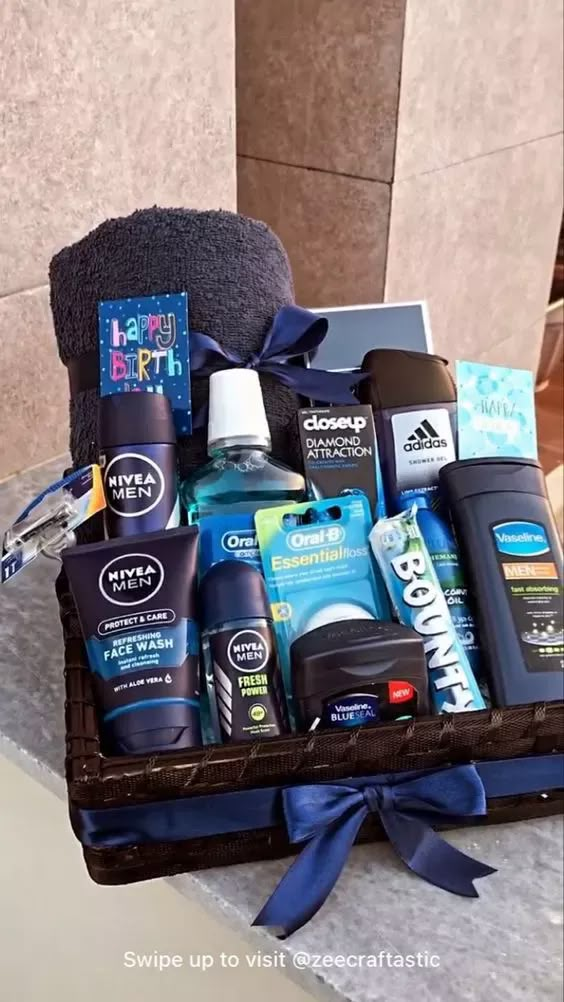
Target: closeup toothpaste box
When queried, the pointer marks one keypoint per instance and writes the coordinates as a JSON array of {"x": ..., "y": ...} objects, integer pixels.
[{"x": 340, "y": 453}]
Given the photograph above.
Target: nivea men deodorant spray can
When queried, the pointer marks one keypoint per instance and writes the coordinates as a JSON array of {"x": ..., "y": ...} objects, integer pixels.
[
  {"x": 413, "y": 399},
  {"x": 138, "y": 461}
]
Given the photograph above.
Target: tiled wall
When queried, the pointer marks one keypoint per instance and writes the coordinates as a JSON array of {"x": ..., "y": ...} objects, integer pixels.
[
  {"x": 317, "y": 96},
  {"x": 477, "y": 193},
  {"x": 104, "y": 107},
  {"x": 445, "y": 186}
]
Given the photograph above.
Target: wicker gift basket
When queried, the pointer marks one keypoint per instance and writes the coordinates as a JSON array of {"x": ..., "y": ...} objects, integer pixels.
[
  {"x": 96, "y": 781},
  {"x": 212, "y": 253}
]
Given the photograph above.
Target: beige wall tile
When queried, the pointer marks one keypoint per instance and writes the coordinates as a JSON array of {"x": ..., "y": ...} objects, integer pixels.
[
  {"x": 477, "y": 76},
  {"x": 478, "y": 241},
  {"x": 108, "y": 107},
  {"x": 521, "y": 349},
  {"x": 34, "y": 398},
  {"x": 317, "y": 83},
  {"x": 333, "y": 227}
]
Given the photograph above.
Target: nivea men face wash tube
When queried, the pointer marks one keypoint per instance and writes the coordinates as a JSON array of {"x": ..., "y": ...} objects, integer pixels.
[
  {"x": 413, "y": 399},
  {"x": 138, "y": 461},
  {"x": 136, "y": 602}
]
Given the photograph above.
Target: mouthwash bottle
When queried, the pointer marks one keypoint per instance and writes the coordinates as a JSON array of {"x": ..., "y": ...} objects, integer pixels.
[{"x": 241, "y": 476}]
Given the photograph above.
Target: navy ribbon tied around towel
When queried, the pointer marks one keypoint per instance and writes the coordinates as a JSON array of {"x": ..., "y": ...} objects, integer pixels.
[
  {"x": 294, "y": 332},
  {"x": 328, "y": 819}
]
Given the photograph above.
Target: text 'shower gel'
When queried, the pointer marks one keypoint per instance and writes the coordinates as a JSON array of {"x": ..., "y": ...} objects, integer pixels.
[
  {"x": 413, "y": 399},
  {"x": 138, "y": 462},
  {"x": 136, "y": 601},
  {"x": 416, "y": 595}
]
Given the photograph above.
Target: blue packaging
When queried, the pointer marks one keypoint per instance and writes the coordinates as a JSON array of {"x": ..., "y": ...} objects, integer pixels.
[
  {"x": 228, "y": 537},
  {"x": 144, "y": 346},
  {"x": 138, "y": 462},
  {"x": 136, "y": 601},
  {"x": 417, "y": 596},
  {"x": 443, "y": 550},
  {"x": 318, "y": 569},
  {"x": 340, "y": 453},
  {"x": 224, "y": 537},
  {"x": 496, "y": 411}
]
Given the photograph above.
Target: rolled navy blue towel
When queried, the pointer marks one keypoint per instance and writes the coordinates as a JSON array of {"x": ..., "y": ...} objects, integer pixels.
[{"x": 237, "y": 276}]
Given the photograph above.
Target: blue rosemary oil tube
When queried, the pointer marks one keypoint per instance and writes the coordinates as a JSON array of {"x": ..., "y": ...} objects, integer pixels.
[
  {"x": 418, "y": 599},
  {"x": 136, "y": 601}
]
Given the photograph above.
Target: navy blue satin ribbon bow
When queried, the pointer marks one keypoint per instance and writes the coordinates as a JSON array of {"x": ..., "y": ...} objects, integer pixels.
[
  {"x": 328, "y": 816},
  {"x": 294, "y": 332},
  {"x": 328, "y": 819}
]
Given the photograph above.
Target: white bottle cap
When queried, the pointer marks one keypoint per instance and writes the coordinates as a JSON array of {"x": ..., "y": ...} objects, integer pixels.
[{"x": 236, "y": 415}]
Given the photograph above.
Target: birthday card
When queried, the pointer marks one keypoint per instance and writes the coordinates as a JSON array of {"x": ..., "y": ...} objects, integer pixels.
[
  {"x": 496, "y": 411},
  {"x": 144, "y": 346}
]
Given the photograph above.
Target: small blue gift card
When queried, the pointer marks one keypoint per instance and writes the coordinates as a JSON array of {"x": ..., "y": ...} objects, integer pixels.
[
  {"x": 144, "y": 346},
  {"x": 496, "y": 411}
]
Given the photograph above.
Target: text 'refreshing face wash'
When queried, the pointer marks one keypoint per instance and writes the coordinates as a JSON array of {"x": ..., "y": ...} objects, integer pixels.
[{"x": 136, "y": 602}]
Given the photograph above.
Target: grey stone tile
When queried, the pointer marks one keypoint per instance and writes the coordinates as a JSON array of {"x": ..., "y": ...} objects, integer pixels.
[
  {"x": 477, "y": 241},
  {"x": 521, "y": 349},
  {"x": 34, "y": 399},
  {"x": 506, "y": 945},
  {"x": 476, "y": 77},
  {"x": 333, "y": 227},
  {"x": 31, "y": 640},
  {"x": 106, "y": 108},
  {"x": 318, "y": 83}
]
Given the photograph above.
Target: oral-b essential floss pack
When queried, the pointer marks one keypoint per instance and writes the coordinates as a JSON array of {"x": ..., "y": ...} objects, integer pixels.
[{"x": 318, "y": 568}]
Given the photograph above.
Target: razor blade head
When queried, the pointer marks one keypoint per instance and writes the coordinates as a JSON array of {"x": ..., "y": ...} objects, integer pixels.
[{"x": 48, "y": 532}]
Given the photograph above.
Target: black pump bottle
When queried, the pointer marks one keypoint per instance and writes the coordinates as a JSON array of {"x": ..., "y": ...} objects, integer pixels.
[{"x": 513, "y": 559}]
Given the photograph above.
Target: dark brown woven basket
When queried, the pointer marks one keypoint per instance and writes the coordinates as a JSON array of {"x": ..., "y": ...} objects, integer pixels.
[{"x": 96, "y": 781}]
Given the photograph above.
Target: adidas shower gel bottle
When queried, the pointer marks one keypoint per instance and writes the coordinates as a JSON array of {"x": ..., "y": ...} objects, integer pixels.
[{"x": 413, "y": 399}]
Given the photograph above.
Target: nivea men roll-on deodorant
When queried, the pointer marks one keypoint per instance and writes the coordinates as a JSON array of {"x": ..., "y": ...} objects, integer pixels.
[
  {"x": 138, "y": 461},
  {"x": 243, "y": 676}
]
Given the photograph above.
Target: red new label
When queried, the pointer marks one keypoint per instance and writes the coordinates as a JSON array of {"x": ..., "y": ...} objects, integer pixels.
[{"x": 399, "y": 692}]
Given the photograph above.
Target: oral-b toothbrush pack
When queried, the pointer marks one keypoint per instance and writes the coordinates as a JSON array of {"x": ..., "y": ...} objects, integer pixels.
[
  {"x": 228, "y": 537},
  {"x": 318, "y": 568}
]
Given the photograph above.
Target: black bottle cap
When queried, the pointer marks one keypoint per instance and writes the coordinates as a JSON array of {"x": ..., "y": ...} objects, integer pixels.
[
  {"x": 400, "y": 378},
  {"x": 136, "y": 418},
  {"x": 334, "y": 656},
  {"x": 467, "y": 477},
  {"x": 232, "y": 590}
]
